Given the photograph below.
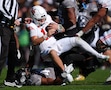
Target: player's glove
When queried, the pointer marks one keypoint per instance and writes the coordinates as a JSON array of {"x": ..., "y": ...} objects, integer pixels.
[{"x": 18, "y": 54}]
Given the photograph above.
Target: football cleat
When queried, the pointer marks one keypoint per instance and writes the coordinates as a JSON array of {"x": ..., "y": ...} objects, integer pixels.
[
  {"x": 80, "y": 78},
  {"x": 69, "y": 68},
  {"x": 12, "y": 84},
  {"x": 67, "y": 76},
  {"x": 68, "y": 79},
  {"x": 107, "y": 83},
  {"x": 109, "y": 78}
]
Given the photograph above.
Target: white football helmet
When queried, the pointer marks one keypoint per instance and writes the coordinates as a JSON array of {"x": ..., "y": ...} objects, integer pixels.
[{"x": 39, "y": 14}]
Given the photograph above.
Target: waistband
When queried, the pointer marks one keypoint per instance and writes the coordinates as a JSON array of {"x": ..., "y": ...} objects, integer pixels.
[
  {"x": 6, "y": 25},
  {"x": 7, "y": 22}
]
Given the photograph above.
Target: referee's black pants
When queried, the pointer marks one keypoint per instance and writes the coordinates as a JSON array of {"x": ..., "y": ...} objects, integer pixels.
[{"x": 8, "y": 50}]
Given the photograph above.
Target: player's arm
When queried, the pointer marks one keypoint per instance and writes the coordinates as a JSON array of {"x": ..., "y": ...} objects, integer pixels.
[
  {"x": 71, "y": 16},
  {"x": 95, "y": 19},
  {"x": 54, "y": 28},
  {"x": 36, "y": 40},
  {"x": 33, "y": 34},
  {"x": 101, "y": 13},
  {"x": 4, "y": 9}
]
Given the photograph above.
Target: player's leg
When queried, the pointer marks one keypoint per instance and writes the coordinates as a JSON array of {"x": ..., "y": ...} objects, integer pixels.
[
  {"x": 80, "y": 42},
  {"x": 66, "y": 70},
  {"x": 57, "y": 59}
]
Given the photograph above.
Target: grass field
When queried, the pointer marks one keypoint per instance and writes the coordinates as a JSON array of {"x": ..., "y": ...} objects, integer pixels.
[{"x": 93, "y": 82}]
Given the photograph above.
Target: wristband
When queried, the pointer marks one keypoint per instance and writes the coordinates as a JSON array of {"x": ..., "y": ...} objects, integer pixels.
[
  {"x": 60, "y": 28},
  {"x": 80, "y": 33},
  {"x": 45, "y": 37},
  {"x": 18, "y": 54}
]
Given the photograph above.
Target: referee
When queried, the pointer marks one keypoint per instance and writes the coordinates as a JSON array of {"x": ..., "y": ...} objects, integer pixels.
[{"x": 8, "y": 18}]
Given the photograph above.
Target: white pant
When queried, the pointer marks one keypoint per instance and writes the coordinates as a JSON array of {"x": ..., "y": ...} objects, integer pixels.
[{"x": 66, "y": 44}]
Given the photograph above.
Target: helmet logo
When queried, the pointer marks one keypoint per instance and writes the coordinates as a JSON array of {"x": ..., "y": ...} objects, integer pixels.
[{"x": 33, "y": 11}]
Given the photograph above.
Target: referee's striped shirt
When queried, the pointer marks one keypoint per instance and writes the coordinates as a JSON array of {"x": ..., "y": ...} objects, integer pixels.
[{"x": 9, "y": 8}]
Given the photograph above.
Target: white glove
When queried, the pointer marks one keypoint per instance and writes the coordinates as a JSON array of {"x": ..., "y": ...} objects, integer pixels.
[
  {"x": 18, "y": 54},
  {"x": 80, "y": 33}
]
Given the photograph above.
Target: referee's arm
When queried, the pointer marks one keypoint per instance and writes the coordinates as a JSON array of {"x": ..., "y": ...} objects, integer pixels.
[{"x": 4, "y": 9}]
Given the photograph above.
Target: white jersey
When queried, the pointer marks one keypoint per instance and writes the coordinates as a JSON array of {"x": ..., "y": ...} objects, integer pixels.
[
  {"x": 51, "y": 43},
  {"x": 61, "y": 45},
  {"x": 40, "y": 32},
  {"x": 106, "y": 38},
  {"x": 105, "y": 3}
]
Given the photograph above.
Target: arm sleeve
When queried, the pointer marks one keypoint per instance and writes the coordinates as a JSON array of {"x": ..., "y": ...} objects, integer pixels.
[{"x": 4, "y": 8}]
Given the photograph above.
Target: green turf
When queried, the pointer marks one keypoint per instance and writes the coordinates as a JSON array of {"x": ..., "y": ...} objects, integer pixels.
[{"x": 93, "y": 82}]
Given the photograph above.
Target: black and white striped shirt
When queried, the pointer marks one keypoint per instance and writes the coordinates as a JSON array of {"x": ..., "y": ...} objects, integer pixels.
[{"x": 9, "y": 8}]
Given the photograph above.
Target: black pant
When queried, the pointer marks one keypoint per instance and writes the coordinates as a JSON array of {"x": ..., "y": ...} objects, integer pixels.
[
  {"x": 8, "y": 50},
  {"x": 12, "y": 58}
]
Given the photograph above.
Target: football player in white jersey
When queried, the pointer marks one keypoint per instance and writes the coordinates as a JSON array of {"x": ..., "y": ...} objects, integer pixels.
[{"x": 41, "y": 32}]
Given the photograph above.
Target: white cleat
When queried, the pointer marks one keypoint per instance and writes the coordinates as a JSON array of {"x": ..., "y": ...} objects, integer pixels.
[
  {"x": 12, "y": 84},
  {"x": 69, "y": 68},
  {"x": 69, "y": 78},
  {"x": 109, "y": 78}
]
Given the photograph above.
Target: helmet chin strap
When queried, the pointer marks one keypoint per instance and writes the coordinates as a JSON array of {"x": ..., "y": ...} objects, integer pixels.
[{"x": 41, "y": 23}]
